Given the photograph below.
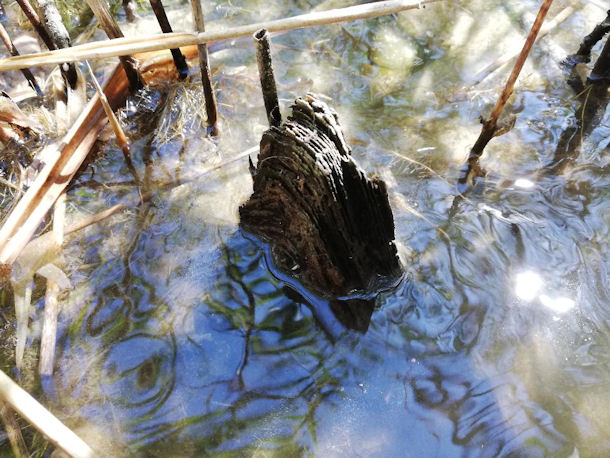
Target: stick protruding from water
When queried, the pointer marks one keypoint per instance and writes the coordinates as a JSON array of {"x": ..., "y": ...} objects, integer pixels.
[
  {"x": 206, "y": 74},
  {"x": 265, "y": 72}
]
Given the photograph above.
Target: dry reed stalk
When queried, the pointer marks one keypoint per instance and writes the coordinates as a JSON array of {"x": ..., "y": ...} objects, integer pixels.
[
  {"x": 27, "y": 73},
  {"x": 20, "y": 450},
  {"x": 121, "y": 138},
  {"x": 129, "y": 45},
  {"x": 265, "y": 72},
  {"x": 112, "y": 29},
  {"x": 130, "y": 10},
  {"x": 206, "y": 75},
  {"x": 44, "y": 421},
  {"x": 60, "y": 166},
  {"x": 473, "y": 170},
  {"x": 51, "y": 306},
  {"x": 179, "y": 60},
  {"x": 62, "y": 163}
]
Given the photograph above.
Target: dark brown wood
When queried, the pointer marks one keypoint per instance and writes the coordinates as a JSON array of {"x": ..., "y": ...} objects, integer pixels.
[
  {"x": 179, "y": 60},
  {"x": 206, "y": 74},
  {"x": 584, "y": 51},
  {"x": 329, "y": 225},
  {"x": 109, "y": 25},
  {"x": 601, "y": 70},
  {"x": 265, "y": 72}
]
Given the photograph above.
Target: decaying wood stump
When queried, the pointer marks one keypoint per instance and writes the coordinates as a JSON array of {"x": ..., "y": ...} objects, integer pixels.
[{"x": 329, "y": 225}]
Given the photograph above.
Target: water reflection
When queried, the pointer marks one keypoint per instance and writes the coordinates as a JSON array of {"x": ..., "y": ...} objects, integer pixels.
[
  {"x": 528, "y": 287},
  {"x": 178, "y": 340}
]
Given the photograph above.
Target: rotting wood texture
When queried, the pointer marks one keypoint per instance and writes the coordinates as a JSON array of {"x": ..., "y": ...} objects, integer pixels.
[{"x": 329, "y": 225}]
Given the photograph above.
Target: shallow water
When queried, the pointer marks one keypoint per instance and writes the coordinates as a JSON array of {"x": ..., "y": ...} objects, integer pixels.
[{"x": 177, "y": 339}]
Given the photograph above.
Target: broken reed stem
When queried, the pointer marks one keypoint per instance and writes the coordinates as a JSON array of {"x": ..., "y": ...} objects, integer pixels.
[
  {"x": 13, "y": 51},
  {"x": 13, "y": 431},
  {"x": 32, "y": 16},
  {"x": 472, "y": 169},
  {"x": 206, "y": 75},
  {"x": 179, "y": 60},
  {"x": 265, "y": 72},
  {"x": 121, "y": 138},
  {"x": 51, "y": 306},
  {"x": 112, "y": 29},
  {"x": 44, "y": 421},
  {"x": 124, "y": 46}
]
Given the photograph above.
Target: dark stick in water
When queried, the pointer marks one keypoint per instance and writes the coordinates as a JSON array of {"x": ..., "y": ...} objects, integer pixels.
[
  {"x": 112, "y": 29},
  {"x": 179, "y": 59},
  {"x": 13, "y": 51},
  {"x": 129, "y": 7},
  {"x": 265, "y": 72},
  {"x": 206, "y": 76}
]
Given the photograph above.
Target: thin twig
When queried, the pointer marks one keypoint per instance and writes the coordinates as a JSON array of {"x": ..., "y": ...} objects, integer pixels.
[
  {"x": 43, "y": 420},
  {"x": 265, "y": 72},
  {"x": 27, "y": 73},
  {"x": 121, "y": 138},
  {"x": 166, "y": 27},
  {"x": 20, "y": 450},
  {"x": 472, "y": 169},
  {"x": 129, "y": 45},
  {"x": 206, "y": 75}
]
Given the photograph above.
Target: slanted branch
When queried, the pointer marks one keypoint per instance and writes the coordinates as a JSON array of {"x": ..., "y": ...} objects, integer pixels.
[{"x": 329, "y": 225}]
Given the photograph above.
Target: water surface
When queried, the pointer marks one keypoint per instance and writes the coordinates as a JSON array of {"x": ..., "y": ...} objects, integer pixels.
[{"x": 178, "y": 340}]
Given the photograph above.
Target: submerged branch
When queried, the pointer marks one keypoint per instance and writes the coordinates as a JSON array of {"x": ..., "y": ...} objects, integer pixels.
[{"x": 126, "y": 46}]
